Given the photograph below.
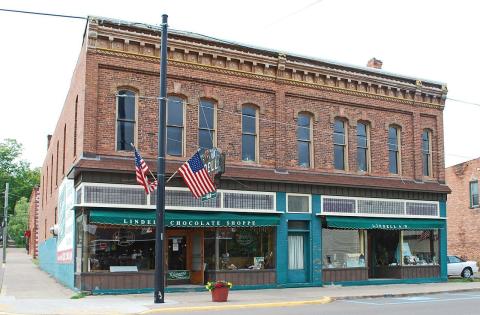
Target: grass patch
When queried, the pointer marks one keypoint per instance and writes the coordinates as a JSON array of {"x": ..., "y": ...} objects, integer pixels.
[
  {"x": 35, "y": 261},
  {"x": 79, "y": 295}
]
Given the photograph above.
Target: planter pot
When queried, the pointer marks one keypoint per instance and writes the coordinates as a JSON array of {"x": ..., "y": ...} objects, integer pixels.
[{"x": 220, "y": 294}]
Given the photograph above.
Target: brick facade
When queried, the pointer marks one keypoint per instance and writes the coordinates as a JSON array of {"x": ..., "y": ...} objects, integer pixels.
[
  {"x": 463, "y": 220},
  {"x": 33, "y": 222},
  {"x": 115, "y": 57}
]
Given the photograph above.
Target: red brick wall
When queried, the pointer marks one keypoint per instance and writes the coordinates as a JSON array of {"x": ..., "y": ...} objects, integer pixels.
[
  {"x": 33, "y": 221},
  {"x": 463, "y": 222}
]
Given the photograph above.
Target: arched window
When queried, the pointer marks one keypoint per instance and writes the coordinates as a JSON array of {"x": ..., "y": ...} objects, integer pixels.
[
  {"x": 363, "y": 147},
  {"x": 339, "y": 144},
  {"x": 126, "y": 120},
  {"x": 304, "y": 139},
  {"x": 175, "y": 126},
  {"x": 206, "y": 125},
  {"x": 394, "y": 149},
  {"x": 249, "y": 133},
  {"x": 427, "y": 152}
]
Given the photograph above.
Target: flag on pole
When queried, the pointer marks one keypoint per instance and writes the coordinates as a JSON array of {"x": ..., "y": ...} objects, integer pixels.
[
  {"x": 141, "y": 170},
  {"x": 196, "y": 177}
]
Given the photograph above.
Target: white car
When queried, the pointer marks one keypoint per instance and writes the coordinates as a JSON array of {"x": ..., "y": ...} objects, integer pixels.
[{"x": 459, "y": 267}]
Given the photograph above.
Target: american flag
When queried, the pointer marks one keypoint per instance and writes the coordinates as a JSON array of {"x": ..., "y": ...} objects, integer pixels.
[
  {"x": 141, "y": 170},
  {"x": 196, "y": 176}
]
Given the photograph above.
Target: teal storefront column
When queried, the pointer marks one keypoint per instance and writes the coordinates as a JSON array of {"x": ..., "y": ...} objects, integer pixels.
[
  {"x": 282, "y": 239},
  {"x": 316, "y": 232},
  {"x": 443, "y": 242}
]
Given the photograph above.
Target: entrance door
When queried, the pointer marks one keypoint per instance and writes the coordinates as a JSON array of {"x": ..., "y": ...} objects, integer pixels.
[
  {"x": 297, "y": 258},
  {"x": 184, "y": 257},
  {"x": 383, "y": 254}
]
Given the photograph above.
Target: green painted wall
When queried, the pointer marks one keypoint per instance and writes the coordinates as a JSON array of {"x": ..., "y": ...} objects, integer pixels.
[{"x": 316, "y": 233}]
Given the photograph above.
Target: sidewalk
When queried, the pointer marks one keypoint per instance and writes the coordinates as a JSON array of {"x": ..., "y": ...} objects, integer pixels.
[{"x": 28, "y": 290}]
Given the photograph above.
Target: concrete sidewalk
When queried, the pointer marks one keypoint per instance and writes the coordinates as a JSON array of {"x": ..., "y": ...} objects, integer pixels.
[{"x": 29, "y": 290}]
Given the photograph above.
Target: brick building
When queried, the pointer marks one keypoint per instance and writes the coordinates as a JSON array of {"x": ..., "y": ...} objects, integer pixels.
[
  {"x": 334, "y": 173},
  {"x": 33, "y": 222},
  {"x": 463, "y": 209}
]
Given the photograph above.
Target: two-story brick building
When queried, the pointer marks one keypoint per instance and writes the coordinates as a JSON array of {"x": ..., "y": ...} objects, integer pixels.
[
  {"x": 463, "y": 205},
  {"x": 334, "y": 173}
]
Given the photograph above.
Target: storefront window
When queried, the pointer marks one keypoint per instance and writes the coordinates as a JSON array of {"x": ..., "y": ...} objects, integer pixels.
[
  {"x": 120, "y": 248},
  {"x": 420, "y": 247},
  {"x": 238, "y": 248},
  {"x": 343, "y": 248}
]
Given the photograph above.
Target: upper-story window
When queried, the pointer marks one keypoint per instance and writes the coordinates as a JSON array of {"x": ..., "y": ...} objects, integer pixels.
[
  {"x": 394, "y": 149},
  {"x": 339, "y": 144},
  {"x": 175, "y": 126},
  {"x": 249, "y": 133},
  {"x": 363, "y": 147},
  {"x": 427, "y": 152},
  {"x": 126, "y": 120},
  {"x": 304, "y": 139},
  {"x": 299, "y": 203},
  {"x": 206, "y": 125},
  {"x": 474, "y": 203}
]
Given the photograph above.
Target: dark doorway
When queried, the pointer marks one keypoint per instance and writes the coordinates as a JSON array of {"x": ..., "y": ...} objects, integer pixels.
[{"x": 383, "y": 257}]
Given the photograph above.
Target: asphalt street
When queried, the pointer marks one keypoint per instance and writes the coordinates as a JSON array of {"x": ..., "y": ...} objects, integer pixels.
[{"x": 467, "y": 303}]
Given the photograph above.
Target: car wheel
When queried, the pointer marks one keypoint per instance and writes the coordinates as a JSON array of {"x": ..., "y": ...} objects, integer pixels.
[{"x": 467, "y": 272}]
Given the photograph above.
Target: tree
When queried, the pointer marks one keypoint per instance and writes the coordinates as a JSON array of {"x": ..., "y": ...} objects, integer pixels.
[
  {"x": 16, "y": 172},
  {"x": 18, "y": 222}
]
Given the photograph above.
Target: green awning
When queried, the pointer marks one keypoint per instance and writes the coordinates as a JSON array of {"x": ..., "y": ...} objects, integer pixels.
[
  {"x": 182, "y": 218},
  {"x": 383, "y": 223}
]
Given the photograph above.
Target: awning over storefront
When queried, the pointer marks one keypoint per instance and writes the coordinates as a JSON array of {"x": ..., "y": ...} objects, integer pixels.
[
  {"x": 341, "y": 222},
  {"x": 182, "y": 218}
]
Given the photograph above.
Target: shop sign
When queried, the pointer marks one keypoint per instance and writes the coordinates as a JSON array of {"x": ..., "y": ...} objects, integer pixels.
[
  {"x": 139, "y": 221},
  {"x": 178, "y": 275},
  {"x": 66, "y": 222},
  {"x": 211, "y": 223},
  {"x": 209, "y": 196},
  {"x": 214, "y": 161},
  {"x": 390, "y": 226}
]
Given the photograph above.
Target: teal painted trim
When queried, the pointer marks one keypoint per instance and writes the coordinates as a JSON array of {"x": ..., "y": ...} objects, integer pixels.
[
  {"x": 282, "y": 246},
  {"x": 316, "y": 236},
  {"x": 281, "y": 202},
  {"x": 443, "y": 252},
  {"x": 122, "y": 291},
  {"x": 443, "y": 209},
  {"x": 390, "y": 281},
  {"x": 298, "y": 216}
]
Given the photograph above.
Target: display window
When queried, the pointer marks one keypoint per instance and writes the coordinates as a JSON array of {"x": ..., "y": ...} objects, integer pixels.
[
  {"x": 114, "y": 248},
  {"x": 240, "y": 248},
  {"x": 343, "y": 248},
  {"x": 420, "y": 247}
]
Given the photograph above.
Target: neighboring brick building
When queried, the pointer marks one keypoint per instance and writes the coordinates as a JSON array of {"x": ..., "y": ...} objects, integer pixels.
[
  {"x": 33, "y": 221},
  {"x": 464, "y": 209},
  {"x": 315, "y": 150}
]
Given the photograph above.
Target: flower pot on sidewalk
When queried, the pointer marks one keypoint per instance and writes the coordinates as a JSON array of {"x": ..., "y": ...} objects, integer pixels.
[{"x": 220, "y": 294}]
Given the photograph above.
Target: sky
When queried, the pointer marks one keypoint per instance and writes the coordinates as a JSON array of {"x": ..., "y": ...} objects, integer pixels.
[{"x": 435, "y": 40}]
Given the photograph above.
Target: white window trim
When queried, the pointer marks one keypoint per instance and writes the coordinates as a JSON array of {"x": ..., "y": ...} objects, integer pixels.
[
  {"x": 135, "y": 130},
  {"x": 301, "y": 195},
  {"x": 356, "y": 214}
]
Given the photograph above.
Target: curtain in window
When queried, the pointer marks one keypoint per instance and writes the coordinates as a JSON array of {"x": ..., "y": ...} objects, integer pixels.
[{"x": 295, "y": 252}]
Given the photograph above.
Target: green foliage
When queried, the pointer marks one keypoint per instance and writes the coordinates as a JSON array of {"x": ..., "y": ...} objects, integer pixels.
[
  {"x": 79, "y": 295},
  {"x": 18, "y": 223},
  {"x": 16, "y": 172}
]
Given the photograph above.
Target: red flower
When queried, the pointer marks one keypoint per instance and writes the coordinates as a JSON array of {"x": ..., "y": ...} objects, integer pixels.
[{"x": 218, "y": 285}]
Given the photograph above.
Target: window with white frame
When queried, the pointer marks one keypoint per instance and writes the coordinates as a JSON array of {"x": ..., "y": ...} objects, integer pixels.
[
  {"x": 126, "y": 120},
  {"x": 249, "y": 133},
  {"x": 175, "y": 126},
  {"x": 206, "y": 125},
  {"x": 298, "y": 203},
  {"x": 363, "y": 147},
  {"x": 340, "y": 145},
  {"x": 427, "y": 152},
  {"x": 394, "y": 149},
  {"x": 474, "y": 203}
]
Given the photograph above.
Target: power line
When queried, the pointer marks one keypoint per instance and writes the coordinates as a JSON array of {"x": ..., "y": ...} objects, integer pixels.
[
  {"x": 318, "y": 130},
  {"x": 464, "y": 102},
  {"x": 45, "y": 14}
]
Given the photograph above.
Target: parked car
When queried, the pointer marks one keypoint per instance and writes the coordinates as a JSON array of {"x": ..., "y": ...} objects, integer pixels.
[{"x": 458, "y": 267}]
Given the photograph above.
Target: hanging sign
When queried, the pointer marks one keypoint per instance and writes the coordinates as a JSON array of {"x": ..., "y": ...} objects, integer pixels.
[{"x": 214, "y": 161}]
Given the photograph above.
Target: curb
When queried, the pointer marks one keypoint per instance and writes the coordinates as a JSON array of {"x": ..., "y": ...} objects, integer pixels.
[
  {"x": 388, "y": 295},
  {"x": 323, "y": 300}
]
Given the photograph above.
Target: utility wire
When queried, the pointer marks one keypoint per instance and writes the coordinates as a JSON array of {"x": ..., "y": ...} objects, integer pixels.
[
  {"x": 318, "y": 130},
  {"x": 45, "y": 14}
]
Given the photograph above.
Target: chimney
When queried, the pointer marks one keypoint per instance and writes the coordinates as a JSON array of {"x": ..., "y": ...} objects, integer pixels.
[
  {"x": 375, "y": 63},
  {"x": 49, "y": 137}
]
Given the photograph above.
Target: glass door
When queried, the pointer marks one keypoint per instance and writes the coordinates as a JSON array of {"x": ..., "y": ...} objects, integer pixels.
[{"x": 297, "y": 257}]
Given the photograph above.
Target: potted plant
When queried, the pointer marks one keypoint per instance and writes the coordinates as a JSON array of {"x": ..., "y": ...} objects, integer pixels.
[{"x": 219, "y": 290}]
